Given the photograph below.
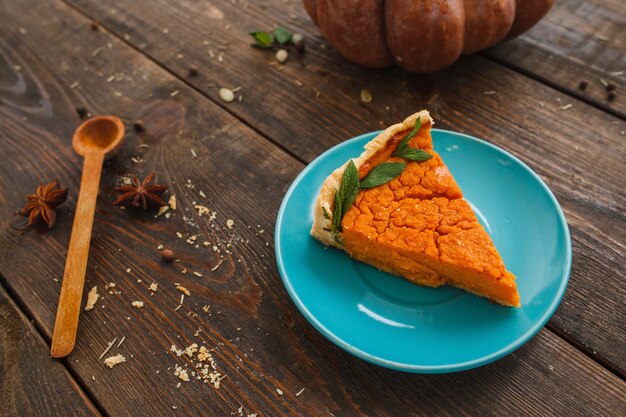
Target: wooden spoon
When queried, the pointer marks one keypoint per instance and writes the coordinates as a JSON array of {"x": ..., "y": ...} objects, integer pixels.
[{"x": 93, "y": 139}]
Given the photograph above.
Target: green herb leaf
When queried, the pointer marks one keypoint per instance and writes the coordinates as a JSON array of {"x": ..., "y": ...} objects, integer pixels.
[
  {"x": 263, "y": 39},
  {"x": 382, "y": 174},
  {"x": 349, "y": 187},
  {"x": 325, "y": 213},
  {"x": 413, "y": 154},
  {"x": 335, "y": 226},
  {"x": 282, "y": 35},
  {"x": 403, "y": 143}
]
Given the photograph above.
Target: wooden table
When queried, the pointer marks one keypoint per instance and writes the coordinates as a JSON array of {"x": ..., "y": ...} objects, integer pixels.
[{"x": 238, "y": 159}]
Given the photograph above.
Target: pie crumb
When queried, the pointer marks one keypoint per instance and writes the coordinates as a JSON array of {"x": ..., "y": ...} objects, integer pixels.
[
  {"x": 114, "y": 360},
  {"x": 153, "y": 287},
  {"x": 183, "y": 290},
  {"x": 92, "y": 297},
  {"x": 279, "y": 391},
  {"x": 138, "y": 304}
]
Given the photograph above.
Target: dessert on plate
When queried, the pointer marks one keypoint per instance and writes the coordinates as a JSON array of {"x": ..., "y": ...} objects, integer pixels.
[{"x": 398, "y": 208}]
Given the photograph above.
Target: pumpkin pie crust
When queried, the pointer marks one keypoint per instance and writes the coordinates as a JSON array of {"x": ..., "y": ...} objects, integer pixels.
[{"x": 417, "y": 225}]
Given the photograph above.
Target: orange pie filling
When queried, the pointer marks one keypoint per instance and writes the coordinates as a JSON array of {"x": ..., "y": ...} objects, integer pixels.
[{"x": 419, "y": 226}]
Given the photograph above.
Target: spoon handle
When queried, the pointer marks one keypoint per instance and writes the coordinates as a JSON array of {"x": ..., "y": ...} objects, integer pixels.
[{"x": 66, "y": 324}]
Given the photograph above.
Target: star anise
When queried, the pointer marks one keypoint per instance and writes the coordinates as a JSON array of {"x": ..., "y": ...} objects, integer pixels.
[
  {"x": 42, "y": 204},
  {"x": 141, "y": 194}
]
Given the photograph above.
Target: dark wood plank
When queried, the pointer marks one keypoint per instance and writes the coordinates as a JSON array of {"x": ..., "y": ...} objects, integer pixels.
[
  {"x": 531, "y": 120},
  {"x": 261, "y": 342},
  {"x": 32, "y": 384},
  {"x": 578, "y": 40}
]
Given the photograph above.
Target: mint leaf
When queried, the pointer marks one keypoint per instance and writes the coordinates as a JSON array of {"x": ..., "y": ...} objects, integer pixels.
[
  {"x": 382, "y": 174},
  {"x": 263, "y": 39},
  {"x": 335, "y": 226},
  {"x": 282, "y": 35},
  {"x": 349, "y": 187},
  {"x": 403, "y": 143},
  {"x": 413, "y": 154}
]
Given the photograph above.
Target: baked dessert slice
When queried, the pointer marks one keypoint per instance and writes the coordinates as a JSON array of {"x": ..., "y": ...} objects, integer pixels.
[{"x": 398, "y": 208}]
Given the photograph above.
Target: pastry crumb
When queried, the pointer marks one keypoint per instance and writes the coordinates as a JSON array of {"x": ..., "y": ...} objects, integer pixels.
[
  {"x": 92, "y": 297},
  {"x": 279, "y": 391},
  {"x": 138, "y": 304},
  {"x": 183, "y": 290},
  {"x": 230, "y": 223},
  {"x": 172, "y": 202},
  {"x": 114, "y": 360},
  {"x": 153, "y": 287}
]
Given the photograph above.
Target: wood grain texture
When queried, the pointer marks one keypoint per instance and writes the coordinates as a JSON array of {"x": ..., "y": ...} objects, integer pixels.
[
  {"x": 579, "y": 40},
  {"x": 260, "y": 341},
  {"x": 310, "y": 107},
  {"x": 32, "y": 384}
]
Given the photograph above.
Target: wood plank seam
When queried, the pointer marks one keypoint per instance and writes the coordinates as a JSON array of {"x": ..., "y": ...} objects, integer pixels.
[
  {"x": 37, "y": 330},
  {"x": 183, "y": 80},
  {"x": 549, "y": 327},
  {"x": 554, "y": 86}
]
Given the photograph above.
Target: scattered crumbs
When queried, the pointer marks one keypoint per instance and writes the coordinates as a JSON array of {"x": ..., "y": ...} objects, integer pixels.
[
  {"x": 121, "y": 341},
  {"x": 174, "y": 93},
  {"x": 550, "y": 367},
  {"x": 566, "y": 107},
  {"x": 299, "y": 392},
  {"x": 74, "y": 85},
  {"x": 114, "y": 360},
  {"x": 22, "y": 31},
  {"x": 489, "y": 93},
  {"x": 92, "y": 297},
  {"x": 601, "y": 37},
  {"x": 166, "y": 31},
  {"x": 298, "y": 83},
  {"x": 153, "y": 287},
  {"x": 172, "y": 202},
  {"x": 162, "y": 210},
  {"x": 181, "y": 373},
  {"x": 202, "y": 194},
  {"x": 179, "y": 235},
  {"x": 205, "y": 243},
  {"x": 218, "y": 265},
  {"x": 107, "y": 349},
  {"x": 160, "y": 246},
  {"x": 206, "y": 308},
  {"x": 143, "y": 146},
  {"x": 183, "y": 290},
  {"x": 198, "y": 274},
  {"x": 197, "y": 332},
  {"x": 128, "y": 270},
  {"x": 230, "y": 223},
  {"x": 193, "y": 153},
  {"x": 202, "y": 210},
  {"x": 136, "y": 160},
  {"x": 279, "y": 391},
  {"x": 138, "y": 304},
  {"x": 118, "y": 94}
]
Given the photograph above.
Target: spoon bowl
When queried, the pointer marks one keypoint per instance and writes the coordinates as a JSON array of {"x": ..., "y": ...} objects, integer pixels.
[{"x": 98, "y": 134}]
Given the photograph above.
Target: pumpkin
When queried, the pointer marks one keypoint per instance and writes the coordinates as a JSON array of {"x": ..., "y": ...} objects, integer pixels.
[{"x": 420, "y": 35}]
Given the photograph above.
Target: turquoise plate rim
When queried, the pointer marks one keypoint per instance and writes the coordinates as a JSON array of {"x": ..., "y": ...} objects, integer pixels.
[{"x": 532, "y": 331}]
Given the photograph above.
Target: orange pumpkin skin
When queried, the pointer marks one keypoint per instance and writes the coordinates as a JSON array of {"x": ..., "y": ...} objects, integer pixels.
[{"x": 420, "y": 35}]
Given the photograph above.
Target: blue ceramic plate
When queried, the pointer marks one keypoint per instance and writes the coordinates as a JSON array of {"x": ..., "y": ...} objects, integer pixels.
[{"x": 388, "y": 321}]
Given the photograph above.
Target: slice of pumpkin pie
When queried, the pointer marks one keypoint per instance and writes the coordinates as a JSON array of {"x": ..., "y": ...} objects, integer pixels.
[{"x": 398, "y": 208}]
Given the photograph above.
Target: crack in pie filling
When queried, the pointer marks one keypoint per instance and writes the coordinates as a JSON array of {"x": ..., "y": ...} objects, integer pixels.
[{"x": 416, "y": 225}]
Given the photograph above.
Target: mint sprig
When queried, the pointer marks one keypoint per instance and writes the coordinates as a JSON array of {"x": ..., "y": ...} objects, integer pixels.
[
  {"x": 404, "y": 151},
  {"x": 381, "y": 174}
]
